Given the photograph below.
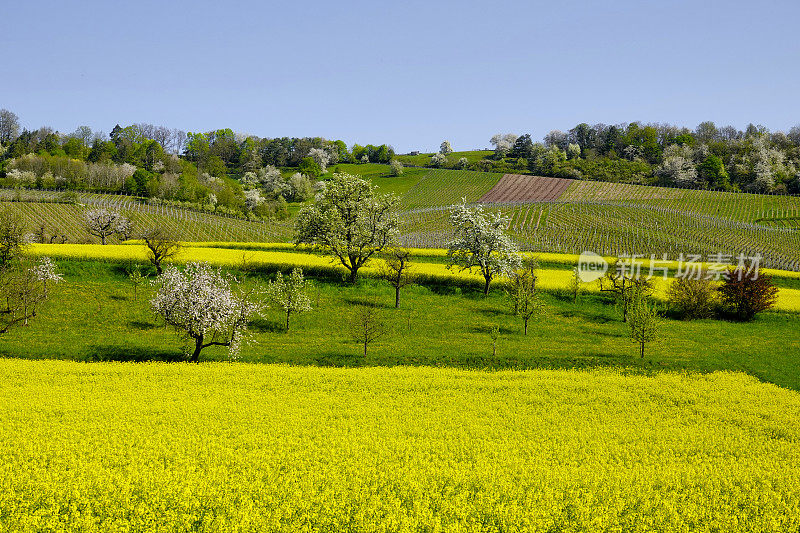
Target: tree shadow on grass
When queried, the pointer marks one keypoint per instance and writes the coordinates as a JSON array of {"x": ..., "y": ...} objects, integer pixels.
[
  {"x": 492, "y": 311},
  {"x": 341, "y": 360},
  {"x": 371, "y": 303},
  {"x": 136, "y": 354},
  {"x": 597, "y": 318},
  {"x": 261, "y": 325}
]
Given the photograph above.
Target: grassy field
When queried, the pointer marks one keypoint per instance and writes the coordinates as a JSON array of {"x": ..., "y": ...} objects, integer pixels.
[
  {"x": 232, "y": 447},
  {"x": 422, "y": 160},
  {"x": 96, "y": 316}
]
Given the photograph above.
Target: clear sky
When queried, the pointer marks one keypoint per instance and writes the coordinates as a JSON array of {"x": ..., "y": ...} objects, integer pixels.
[{"x": 407, "y": 73}]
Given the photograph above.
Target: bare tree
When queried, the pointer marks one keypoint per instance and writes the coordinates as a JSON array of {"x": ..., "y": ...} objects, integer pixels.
[
  {"x": 161, "y": 246},
  {"x": 576, "y": 284},
  {"x": 396, "y": 270},
  {"x": 624, "y": 283},
  {"x": 9, "y": 126},
  {"x": 104, "y": 223},
  {"x": 367, "y": 324}
]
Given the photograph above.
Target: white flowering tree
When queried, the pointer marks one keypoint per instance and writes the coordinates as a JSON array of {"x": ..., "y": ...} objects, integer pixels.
[
  {"x": 290, "y": 293},
  {"x": 350, "y": 220},
  {"x": 438, "y": 160},
  {"x": 104, "y": 223},
  {"x": 46, "y": 271},
  {"x": 320, "y": 157},
  {"x": 445, "y": 148},
  {"x": 481, "y": 243},
  {"x": 207, "y": 307}
]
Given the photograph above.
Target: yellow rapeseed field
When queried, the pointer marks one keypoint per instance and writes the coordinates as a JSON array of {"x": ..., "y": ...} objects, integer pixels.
[
  {"x": 277, "y": 258},
  {"x": 235, "y": 447}
]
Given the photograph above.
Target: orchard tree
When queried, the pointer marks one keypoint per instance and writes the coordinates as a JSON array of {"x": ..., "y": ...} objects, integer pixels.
[
  {"x": 290, "y": 293},
  {"x": 161, "y": 246},
  {"x": 23, "y": 286},
  {"x": 104, "y": 223},
  {"x": 207, "y": 307},
  {"x": 46, "y": 271},
  {"x": 521, "y": 291},
  {"x": 367, "y": 324},
  {"x": 463, "y": 163},
  {"x": 481, "y": 243},
  {"x": 395, "y": 270},
  {"x": 445, "y": 148},
  {"x": 396, "y": 167},
  {"x": 350, "y": 220},
  {"x": 12, "y": 236},
  {"x": 643, "y": 321},
  {"x": 438, "y": 160},
  {"x": 624, "y": 282}
]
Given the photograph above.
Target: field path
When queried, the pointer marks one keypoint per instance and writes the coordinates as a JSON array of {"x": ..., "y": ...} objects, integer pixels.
[{"x": 522, "y": 188}]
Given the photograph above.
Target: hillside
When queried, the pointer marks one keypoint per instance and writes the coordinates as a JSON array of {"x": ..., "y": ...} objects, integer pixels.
[
  {"x": 546, "y": 215},
  {"x": 63, "y": 221}
]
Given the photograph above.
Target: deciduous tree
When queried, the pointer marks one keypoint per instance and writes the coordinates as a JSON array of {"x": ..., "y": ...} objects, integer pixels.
[
  {"x": 367, "y": 324},
  {"x": 396, "y": 270},
  {"x": 350, "y": 220},
  {"x": 290, "y": 293},
  {"x": 104, "y": 223},
  {"x": 747, "y": 293},
  {"x": 207, "y": 307},
  {"x": 161, "y": 246},
  {"x": 643, "y": 322},
  {"x": 521, "y": 291},
  {"x": 481, "y": 243}
]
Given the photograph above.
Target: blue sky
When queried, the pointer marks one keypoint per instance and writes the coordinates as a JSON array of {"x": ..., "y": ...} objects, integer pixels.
[{"x": 405, "y": 73}]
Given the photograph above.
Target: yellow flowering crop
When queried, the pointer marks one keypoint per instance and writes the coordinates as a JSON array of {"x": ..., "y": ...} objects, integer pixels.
[{"x": 235, "y": 447}]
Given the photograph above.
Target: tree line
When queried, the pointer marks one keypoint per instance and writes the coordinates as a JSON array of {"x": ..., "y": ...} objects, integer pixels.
[
  {"x": 707, "y": 157},
  {"x": 215, "y": 168}
]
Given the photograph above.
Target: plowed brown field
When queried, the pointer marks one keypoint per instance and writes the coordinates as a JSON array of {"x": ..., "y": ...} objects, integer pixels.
[{"x": 521, "y": 188}]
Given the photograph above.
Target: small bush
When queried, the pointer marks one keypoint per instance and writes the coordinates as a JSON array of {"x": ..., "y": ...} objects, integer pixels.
[
  {"x": 745, "y": 294},
  {"x": 693, "y": 298}
]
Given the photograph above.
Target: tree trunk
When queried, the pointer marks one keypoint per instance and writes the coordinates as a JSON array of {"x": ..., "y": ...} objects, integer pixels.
[
  {"x": 103, "y": 239},
  {"x": 159, "y": 270},
  {"x": 397, "y": 297},
  {"x": 287, "y": 319},
  {"x": 353, "y": 275},
  {"x": 641, "y": 350},
  {"x": 198, "y": 345},
  {"x": 486, "y": 286},
  {"x": 365, "y": 348},
  {"x": 526, "y": 326}
]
